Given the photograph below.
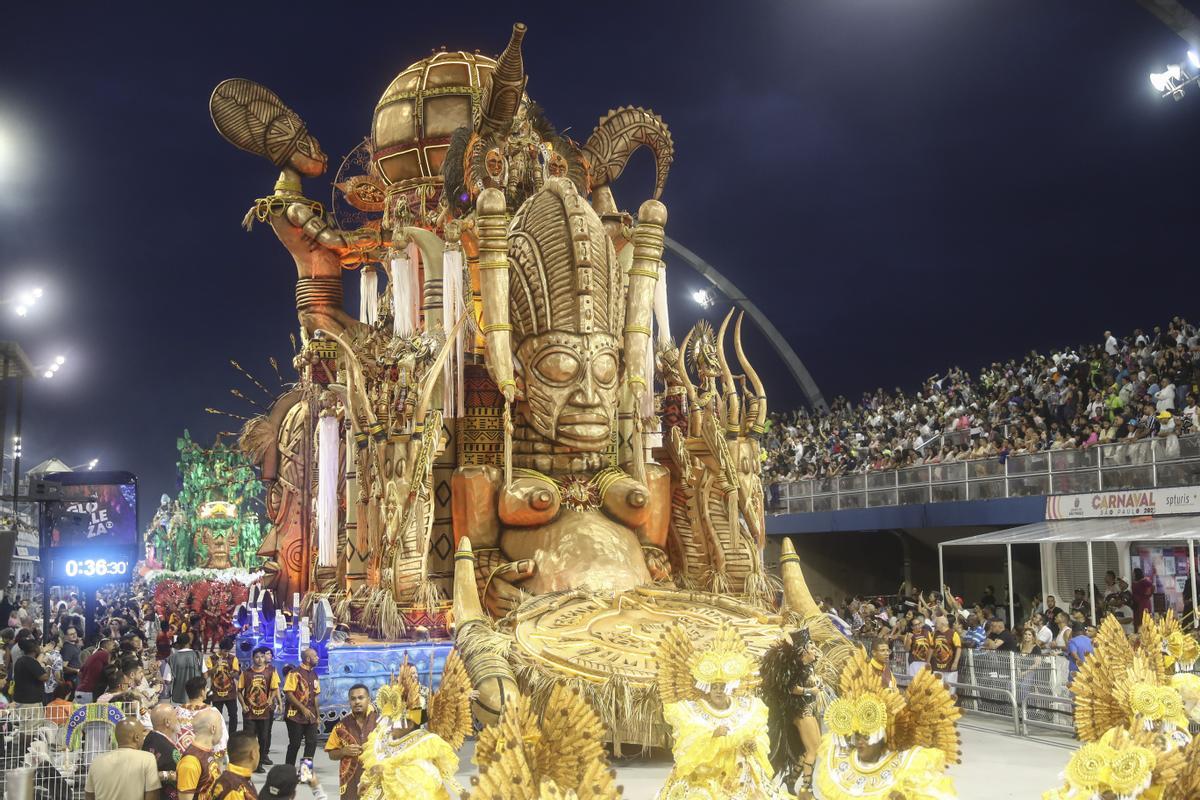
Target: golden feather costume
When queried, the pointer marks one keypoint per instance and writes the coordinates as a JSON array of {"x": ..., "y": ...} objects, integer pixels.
[
  {"x": 402, "y": 760},
  {"x": 720, "y": 753},
  {"x": 918, "y": 732},
  {"x": 556, "y": 757},
  {"x": 1132, "y": 714}
]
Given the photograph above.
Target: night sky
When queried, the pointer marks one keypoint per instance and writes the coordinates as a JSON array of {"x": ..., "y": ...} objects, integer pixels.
[{"x": 900, "y": 185}]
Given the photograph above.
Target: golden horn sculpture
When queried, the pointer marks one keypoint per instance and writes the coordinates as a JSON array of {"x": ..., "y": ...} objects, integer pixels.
[
  {"x": 689, "y": 387},
  {"x": 733, "y": 410},
  {"x": 506, "y": 87},
  {"x": 483, "y": 651},
  {"x": 756, "y": 406},
  {"x": 796, "y": 596},
  {"x": 492, "y": 224}
]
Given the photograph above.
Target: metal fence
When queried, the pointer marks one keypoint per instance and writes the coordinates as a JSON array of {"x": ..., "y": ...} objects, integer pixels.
[
  {"x": 1030, "y": 691},
  {"x": 1113, "y": 467},
  {"x": 46, "y": 752}
]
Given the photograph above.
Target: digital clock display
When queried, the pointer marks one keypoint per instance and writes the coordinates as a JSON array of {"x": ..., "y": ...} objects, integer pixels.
[{"x": 93, "y": 567}]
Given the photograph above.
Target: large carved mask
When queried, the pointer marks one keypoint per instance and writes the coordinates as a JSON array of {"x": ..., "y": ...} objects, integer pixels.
[
  {"x": 567, "y": 305},
  {"x": 570, "y": 383}
]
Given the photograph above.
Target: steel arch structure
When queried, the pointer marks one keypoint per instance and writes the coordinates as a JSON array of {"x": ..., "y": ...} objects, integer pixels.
[{"x": 800, "y": 373}]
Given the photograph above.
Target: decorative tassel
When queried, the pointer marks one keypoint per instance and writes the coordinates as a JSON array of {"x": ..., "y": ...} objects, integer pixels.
[
  {"x": 404, "y": 300},
  {"x": 328, "y": 439},
  {"x": 453, "y": 308},
  {"x": 368, "y": 299}
]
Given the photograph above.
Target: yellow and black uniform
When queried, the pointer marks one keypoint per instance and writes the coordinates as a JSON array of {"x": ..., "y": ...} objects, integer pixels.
[
  {"x": 258, "y": 689},
  {"x": 301, "y": 688},
  {"x": 946, "y": 645},
  {"x": 197, "y": 772},
  {"x": 351, "y": 730},
  {"x": 223, "y": 672},
  {"x": 234, "y": 784}
]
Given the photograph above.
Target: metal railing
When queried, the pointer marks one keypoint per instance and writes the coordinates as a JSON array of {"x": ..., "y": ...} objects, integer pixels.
[
  {"x": 46, "y": 751},
  {"x": 1112, "y": 467}
]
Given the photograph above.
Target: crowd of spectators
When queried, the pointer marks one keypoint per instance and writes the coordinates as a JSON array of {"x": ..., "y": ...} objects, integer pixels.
[{"x": 1127, "y": 389}]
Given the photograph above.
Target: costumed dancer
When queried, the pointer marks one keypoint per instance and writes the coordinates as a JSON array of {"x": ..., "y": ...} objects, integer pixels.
[
  {"x": 721, "y": 744},
  {"x": 880, "y": 744},
  {"x": 1132, "y": 714},
  {"x": 346, "y": 741},
  {"x": 403, "y": 760},
  {"x": 792, "y": 693}
]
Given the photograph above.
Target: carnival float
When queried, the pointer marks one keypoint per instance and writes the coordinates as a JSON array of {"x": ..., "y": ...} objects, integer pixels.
[{"x": 505, "y": 446}]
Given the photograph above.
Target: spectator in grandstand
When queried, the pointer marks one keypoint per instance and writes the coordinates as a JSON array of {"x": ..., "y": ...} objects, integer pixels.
[
  {"x": 1028, "y": 645},
  {"x": 999, "y": 638},
  {"x": 91, "y": 673},
  {"x": 1063, "y": 630},
  {"x": 52, "y": 658},
  {"x": 58, "y": 710},
  {"x": 199, "y": 768},
  {"x": 127, "y": 773},
  {"x": 29, "y": 675},
  {"x": 1080, "y": 646},
  {"x": 881, "y": 658},
  {"x": 1143, "y": 596},
  {"x": 163, "y": 743},
  {"x": 946, "y": 651},
  {"x": 975, "y": 632},
  {"x": 1118, "y": 607},
  {"x": 918, "y": 641},
  {"x": 234, "y": 783},
  {"x": 1080, "y": 603},
  {"x": 71, "y": 653},
  {"x": 1113, "y": 586}
]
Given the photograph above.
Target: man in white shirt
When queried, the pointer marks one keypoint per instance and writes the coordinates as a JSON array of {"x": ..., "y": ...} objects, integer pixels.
[
  {"x": 1110, "y": 343},
  {"x": 1164, "y": 398},
  {"x": 1044, "y": 635},
  {"x": 127, "y": 773}
]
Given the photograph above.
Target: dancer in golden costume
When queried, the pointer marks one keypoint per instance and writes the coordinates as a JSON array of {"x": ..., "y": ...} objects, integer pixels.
[
  {"x": 558, "y": 756},
  {"x": 880, "y": 744},
  {"x": 1132, "y": 715},
  {"x": 720, "y": 727},
  {"x": 404, "y": 761}
]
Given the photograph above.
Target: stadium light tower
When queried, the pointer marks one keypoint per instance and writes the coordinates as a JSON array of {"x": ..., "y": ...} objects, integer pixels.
[
  {"x": 1176, "y": 79},
  {"x": 23, "y": 300}
]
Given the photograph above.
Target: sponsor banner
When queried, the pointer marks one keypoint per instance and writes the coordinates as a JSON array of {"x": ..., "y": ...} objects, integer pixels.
[{"x": 1132, "y": 503}]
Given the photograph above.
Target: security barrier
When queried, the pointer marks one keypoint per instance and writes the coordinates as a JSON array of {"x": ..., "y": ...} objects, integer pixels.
[{"x": 50, "y": 749}]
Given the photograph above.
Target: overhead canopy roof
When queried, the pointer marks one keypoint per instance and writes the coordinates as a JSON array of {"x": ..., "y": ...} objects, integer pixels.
[{"x": 1106, "y": 529}]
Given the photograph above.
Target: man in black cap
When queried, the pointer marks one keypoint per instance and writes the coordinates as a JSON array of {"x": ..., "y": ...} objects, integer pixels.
[{"x": 282, "y": 781}]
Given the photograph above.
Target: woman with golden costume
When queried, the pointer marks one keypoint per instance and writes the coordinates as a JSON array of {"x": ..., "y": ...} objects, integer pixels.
[
  {"x": 880, "y": 745},
  {"x": 720, "y": 728},
  {"x": 403, "y": 760},
  {"x": 1132, "y": 713}
]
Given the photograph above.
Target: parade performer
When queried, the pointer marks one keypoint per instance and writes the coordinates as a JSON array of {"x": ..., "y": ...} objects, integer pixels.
[
  {"x": 403, "y": 760},
  {"x": 556, "y": 755},
  {"x": 348, "y": 737},
  {"x": 880, "y": 744},
  {"x": 791, "y": 690},
  {"x": 720, "y": 728},
  {"x": 224, "y": 673},
  {"x": 1131, "y": 713},
  {"x": 258, "y": 688}
]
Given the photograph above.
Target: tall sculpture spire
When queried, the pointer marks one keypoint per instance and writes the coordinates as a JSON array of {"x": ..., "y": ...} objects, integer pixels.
[{"x": 506, "y": 86}]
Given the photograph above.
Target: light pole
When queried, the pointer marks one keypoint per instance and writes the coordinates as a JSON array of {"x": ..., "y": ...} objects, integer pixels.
[{"x": 23, "y": 300}]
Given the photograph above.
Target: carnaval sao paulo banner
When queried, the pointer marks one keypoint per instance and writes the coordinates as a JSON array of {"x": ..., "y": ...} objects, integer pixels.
[{"x": 1132, "y": 503}]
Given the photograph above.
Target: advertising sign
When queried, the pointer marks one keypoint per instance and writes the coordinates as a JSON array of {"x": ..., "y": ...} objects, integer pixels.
[
  {"x": 1132, "y": 503},
  {"x": 91, "y": 533}
]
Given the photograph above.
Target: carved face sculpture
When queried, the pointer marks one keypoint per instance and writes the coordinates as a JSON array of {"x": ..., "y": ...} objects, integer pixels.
[
  {"x": 556, "y": 166},
  {"x": 570, "y": 383},
  {"x": 494, "y": 164},
  {"x": 308, "y": 158}
]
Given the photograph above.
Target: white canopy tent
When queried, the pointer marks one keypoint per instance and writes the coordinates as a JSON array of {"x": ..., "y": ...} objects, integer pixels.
[{"x": 1102, "y": 529}]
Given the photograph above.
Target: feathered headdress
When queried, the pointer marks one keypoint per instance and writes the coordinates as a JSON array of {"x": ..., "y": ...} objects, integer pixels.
[
  {"x": 684, "y": 672},
  {"x": 926, "y": 716},
  {"x": 1122, "y": 764}
]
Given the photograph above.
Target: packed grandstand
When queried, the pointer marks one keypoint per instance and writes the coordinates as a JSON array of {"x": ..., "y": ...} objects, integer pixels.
[{"x": 1117, "y": 389}]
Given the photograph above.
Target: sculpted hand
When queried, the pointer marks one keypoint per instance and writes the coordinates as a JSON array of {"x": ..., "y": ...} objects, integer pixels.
[{"x": 503, "y": 594}]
